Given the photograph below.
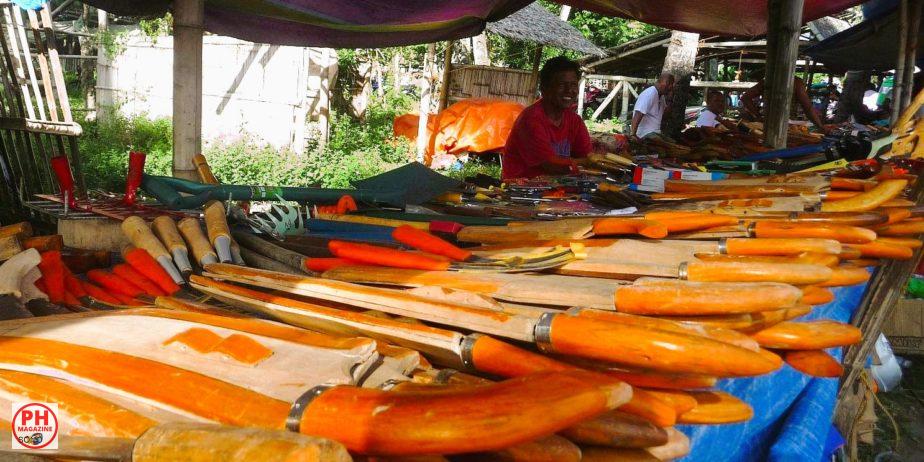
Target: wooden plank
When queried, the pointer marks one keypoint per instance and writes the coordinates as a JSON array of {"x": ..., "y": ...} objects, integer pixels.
[
  {"x": 16, "y": 63},
  {"x": 606, "y": 101},
  {"x": 43, "y": 66},
  {"x": 188, "y": 18},
  {"x": 784, "y": 24},
  {"x": 447, "y": 71},
  {"x": 27, "y": 57}
]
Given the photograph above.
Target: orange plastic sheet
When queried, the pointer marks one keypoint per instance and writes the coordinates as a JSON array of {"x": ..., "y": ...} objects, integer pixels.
[{"x": 471, "y": 125}]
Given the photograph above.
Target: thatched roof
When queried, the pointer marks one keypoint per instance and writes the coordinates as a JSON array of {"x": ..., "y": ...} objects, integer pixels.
[{"x": 536, "y": 24}]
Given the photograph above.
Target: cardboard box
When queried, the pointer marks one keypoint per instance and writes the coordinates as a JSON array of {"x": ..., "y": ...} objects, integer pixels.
[{"x": 905, "y": 328}]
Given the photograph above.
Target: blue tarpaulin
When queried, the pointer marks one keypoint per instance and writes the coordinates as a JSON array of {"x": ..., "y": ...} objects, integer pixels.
[{"x": 792, "y": 411}]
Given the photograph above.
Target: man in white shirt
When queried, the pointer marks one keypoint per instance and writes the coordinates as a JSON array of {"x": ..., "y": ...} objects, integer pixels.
[
  {"x": 649, "y": 108},
  {"x": 712, "y": 116}
]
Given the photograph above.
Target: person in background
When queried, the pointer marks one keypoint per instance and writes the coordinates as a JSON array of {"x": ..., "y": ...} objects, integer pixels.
[
  {"x": 549, "y": 137},
  {"x": 650, "y": 106},
  {"x": 711, "y": 117},
  {"x": 799, "y": 94},
  {"x": 871, "y": 98}
]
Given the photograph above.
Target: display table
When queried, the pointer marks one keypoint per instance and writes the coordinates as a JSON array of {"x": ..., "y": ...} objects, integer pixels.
[{"x": 792, "y": 411}]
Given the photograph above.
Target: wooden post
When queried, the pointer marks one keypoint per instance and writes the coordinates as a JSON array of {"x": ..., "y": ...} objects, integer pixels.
[
  {"x": 447, "y": 75},
  {"x": 426, "y": 85},
  {"x": 537, "y": 62},
  {"x": 187, "y": 86},
  {"x": 784, "y": 23},
  {"x": 624, "y": 112},
  {"x": 328, "y": 75},
  {"x": 581, "y": 86},
  {"x": 911, "y": 48},
  {"x": 899, "y": 79}
]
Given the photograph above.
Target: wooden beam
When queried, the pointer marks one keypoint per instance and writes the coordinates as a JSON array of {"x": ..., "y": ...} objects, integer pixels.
[
  {"x": 61, "y": 7},
  {"x": 581, "y": 87},
  {"x": 187, "y": 86},
  {"x": 606, "y": 101},
  {"x": 624, "y": 111},
  {"x": 659, "y": 43},
  {"x": 447, "y": 75},
  {"x": 784, "y": 24}
]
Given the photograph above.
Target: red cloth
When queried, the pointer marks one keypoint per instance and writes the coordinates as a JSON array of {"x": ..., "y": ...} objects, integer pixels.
[{"x": 535, "y": 140}]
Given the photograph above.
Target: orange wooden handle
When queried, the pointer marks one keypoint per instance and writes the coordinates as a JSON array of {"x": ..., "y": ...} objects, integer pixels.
[
  {"x": 910, "y": 242},
  {"x": 666, "y": 381},
  {"x": 465, "y": 419},
  {"x": 140, "y": 235},
  {"x": 810, "y": 258},
  {"x": 787, "y": 230},
  {"x": 740, "y": 246},
  {"x": 424, "y": 241},
  {"x": 881, "y": 248},
  {"x": 816, "y": 363},
  {"x": 846, "y": 275},
  {"x": 676, "y": 298},
  {"x": 383, "y": 256},
  {"x": 696, "y": 222},
  {"x": 204, "y": 170},
  {"x": 902, "y": 228},
  {"x": 618, "y": 226},
  {"x": 716, "y": 407},
  {"x": 652, "y": 348},
  {"x": 651, "y": 408},
  {"x": 895, "y": 214},
  {"x": 789, "y": 273},
  {"x": 808, "y": 335},
  {"x": 815, "y": 295},
  {"x": 851, "y": 184},
  {"x": 883, "y": 192},
  {"x": 617, "y": 429},
  {"x": 876, "y": 217}
]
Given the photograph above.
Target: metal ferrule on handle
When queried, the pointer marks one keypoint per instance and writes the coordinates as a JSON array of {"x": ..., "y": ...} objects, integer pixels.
[
  {"x": 294, "y": 419},
  {"x": 466, "y": 351},
  {"x": 223, "y": 247},
  {"x": 543, "y": 332},
  {"x": 171, "y": 269},
  {"x": 181, "y": 258}
]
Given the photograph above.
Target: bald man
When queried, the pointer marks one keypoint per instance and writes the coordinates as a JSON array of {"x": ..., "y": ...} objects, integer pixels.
[{"x": 650, "y": 106}]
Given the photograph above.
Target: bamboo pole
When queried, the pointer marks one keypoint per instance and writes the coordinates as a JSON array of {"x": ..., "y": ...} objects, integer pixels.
[
  {"x": 783, "y": 26},
  {"x": 899, "y": 79},
  {"x": 187, "y": 86}
]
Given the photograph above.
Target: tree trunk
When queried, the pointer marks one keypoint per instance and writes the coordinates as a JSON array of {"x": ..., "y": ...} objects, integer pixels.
[
  {"x": 88, "y": 66},
  {"x": 783, "y": 23},
  {"x": 851, "y": 99},
  {"x": 680, "y": 60},
  {"x": 480, "y": 49},
  {"x": 426, "y": 86},
  {"x": 396, "y": 72}
]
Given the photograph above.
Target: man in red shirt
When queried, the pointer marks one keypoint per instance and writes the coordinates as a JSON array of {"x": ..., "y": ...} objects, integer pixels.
[{"x": 548, "y": 136}]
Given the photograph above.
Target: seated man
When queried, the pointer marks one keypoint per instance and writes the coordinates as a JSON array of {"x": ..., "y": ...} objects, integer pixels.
[
  {"x": 549, "y": 136},
  {"x": 799, "y": 95},
  {"x": 650, "y": 107},
  {"x": 711, "y": 117}
]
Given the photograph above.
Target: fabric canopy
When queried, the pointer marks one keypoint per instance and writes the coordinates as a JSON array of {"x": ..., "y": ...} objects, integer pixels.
[
  {"x": 336, "y": 23},
  {"x": 868, "y": 46},
  {"x": 723, "y": 17}
]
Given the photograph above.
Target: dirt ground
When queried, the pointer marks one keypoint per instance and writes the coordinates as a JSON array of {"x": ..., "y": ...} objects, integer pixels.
[{"x": 906, "y": 405}]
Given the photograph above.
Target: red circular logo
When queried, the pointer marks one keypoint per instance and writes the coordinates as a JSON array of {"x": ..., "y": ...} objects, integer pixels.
[{"x": 35, "y": 425}]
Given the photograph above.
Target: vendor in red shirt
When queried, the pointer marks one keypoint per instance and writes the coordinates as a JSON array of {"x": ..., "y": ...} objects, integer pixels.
[{"x": 548, "y": 136}]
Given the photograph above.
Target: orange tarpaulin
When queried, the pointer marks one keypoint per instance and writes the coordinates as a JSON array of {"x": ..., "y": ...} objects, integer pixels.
[{"x": 472, "y": 125}]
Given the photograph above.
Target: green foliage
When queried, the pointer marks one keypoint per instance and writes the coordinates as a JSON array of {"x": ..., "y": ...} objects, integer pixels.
[
  {"x": 112, "y": 42},
  {"x": 104, "y": 148},
  {"x": 356, "y": 150},
  {"x": 474, "y": 166},
  {"x": 157, "y": 27}
]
